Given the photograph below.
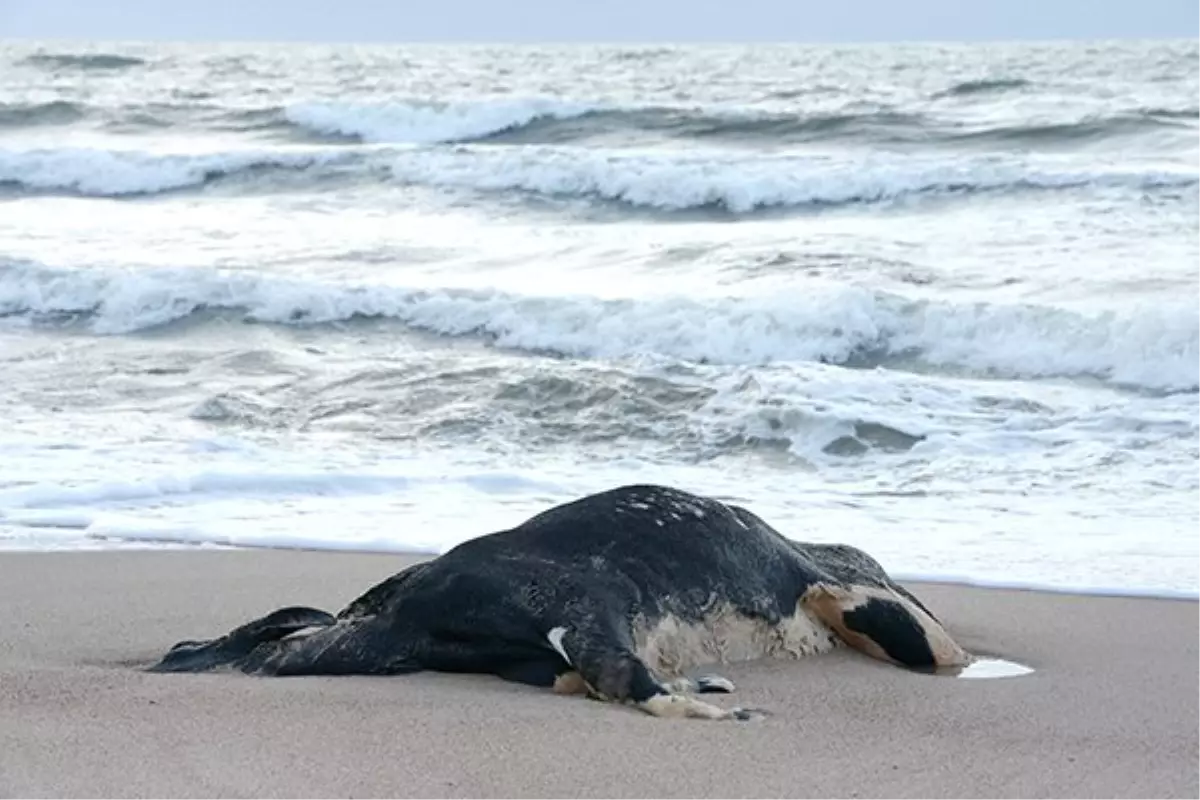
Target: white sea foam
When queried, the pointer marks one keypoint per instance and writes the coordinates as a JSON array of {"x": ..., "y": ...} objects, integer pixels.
[
  {"x": 1156, "y": 346},
  {"x": 737, "y": 182},
  {"x": 104, "y": 172},
  {"x": 673, "y": 181},
  {"x": 234, "y": 482},
  {"x": 243, "y": 499},
  {"x": 428, "y": 122}
]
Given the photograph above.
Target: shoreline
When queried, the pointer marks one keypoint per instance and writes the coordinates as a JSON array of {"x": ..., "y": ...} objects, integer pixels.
[
  {"x": 172, "y": 546},
  {"x": 1109, "y": 710}
]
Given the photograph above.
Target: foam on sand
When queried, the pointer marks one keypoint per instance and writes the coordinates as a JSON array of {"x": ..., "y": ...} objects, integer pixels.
[{"x": 234, "y": 503}]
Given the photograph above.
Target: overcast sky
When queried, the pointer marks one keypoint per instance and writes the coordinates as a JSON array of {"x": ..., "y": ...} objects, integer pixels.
[{"x": 598, "y": 20}]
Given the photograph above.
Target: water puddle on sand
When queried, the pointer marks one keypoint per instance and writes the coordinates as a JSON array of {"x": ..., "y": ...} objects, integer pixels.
[
  {"x": 983, "y": 667},
  {"x": 992, "y": 668}
]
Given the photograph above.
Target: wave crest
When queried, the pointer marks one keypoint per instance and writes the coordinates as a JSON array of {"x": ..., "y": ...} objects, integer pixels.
[
  {"x": 983, "y": 86},
  {"x": 656, "y": 181},
  {"x": 552, "y": 120},
  {"x": 427, "y": 122},
  {"x": 1153, "y": 348},
  {"x": 1071, "y": 132},
  {"x": 83, "y": 61},
  {"x": 117, "y": 173},
  {"x": 554, "y": 403},
  {"x": 54, "y": 112},
  {"x": 682, "y": 181}
]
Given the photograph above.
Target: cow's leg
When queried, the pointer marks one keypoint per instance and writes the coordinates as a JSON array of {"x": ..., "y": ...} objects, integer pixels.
[{"x": 611, "y": 671}]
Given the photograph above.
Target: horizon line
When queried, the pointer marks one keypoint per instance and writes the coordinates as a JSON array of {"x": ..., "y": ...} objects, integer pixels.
[{"x": 554, "y": 42}]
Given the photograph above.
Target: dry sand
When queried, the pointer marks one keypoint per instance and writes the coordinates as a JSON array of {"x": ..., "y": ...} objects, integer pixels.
[{"x": 1110, "y": 711}]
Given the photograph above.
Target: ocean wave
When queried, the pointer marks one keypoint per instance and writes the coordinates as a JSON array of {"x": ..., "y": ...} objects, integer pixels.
[
  {"x": 48, "y": 496},
  {"x": 794, "y": 128},
  {"x": 53, "y": 112},
  {"x": 548, "y": 405},
  {"x": 983, "y": 86},
  {"x": 557, "y": 121},
  {"x": 207, "y": 117},
  {"x": 553, "y": 121},
  {"x": 548, "y": 121},
  {"x": 662, "y": 182},
  {"x": 747, "y": 126},
  {"x": 1154, "y": 348},
  {"x": 691, "y": 180},
  {"x": 1192, "y": 112},
  {"x": 118, "y": 173},
  {"x": 83, "y": 61},
  {"x": 133, "y": 117},
  {"x": 1095, "y": 127},
  {"x": 427, "y": 122},
  {"x": 405, "y": 123}
]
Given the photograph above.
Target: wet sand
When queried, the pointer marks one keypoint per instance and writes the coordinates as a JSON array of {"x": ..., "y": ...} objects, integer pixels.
[{"x": 1110, "y": 710}]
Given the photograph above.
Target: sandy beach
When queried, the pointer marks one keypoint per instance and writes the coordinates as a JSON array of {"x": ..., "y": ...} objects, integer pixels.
[{"x": 1111, "y": 710}]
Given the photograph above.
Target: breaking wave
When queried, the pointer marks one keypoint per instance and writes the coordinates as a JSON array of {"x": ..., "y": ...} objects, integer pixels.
[
  {"x": 681, "y": 181},
  {"x": 594, "y": 405},
  {"x": 1154, "y": 348},
  {"x": 656, "y": 181},
  {"x": 427, "y": 122},
  {"x": 550, "y": 120},
  {"x": 553, "y": 121},
  {"x": 99, "y": 172}
]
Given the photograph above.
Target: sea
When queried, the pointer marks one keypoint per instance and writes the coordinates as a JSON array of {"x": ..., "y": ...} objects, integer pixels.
[{"x": 937, "y": 301}]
